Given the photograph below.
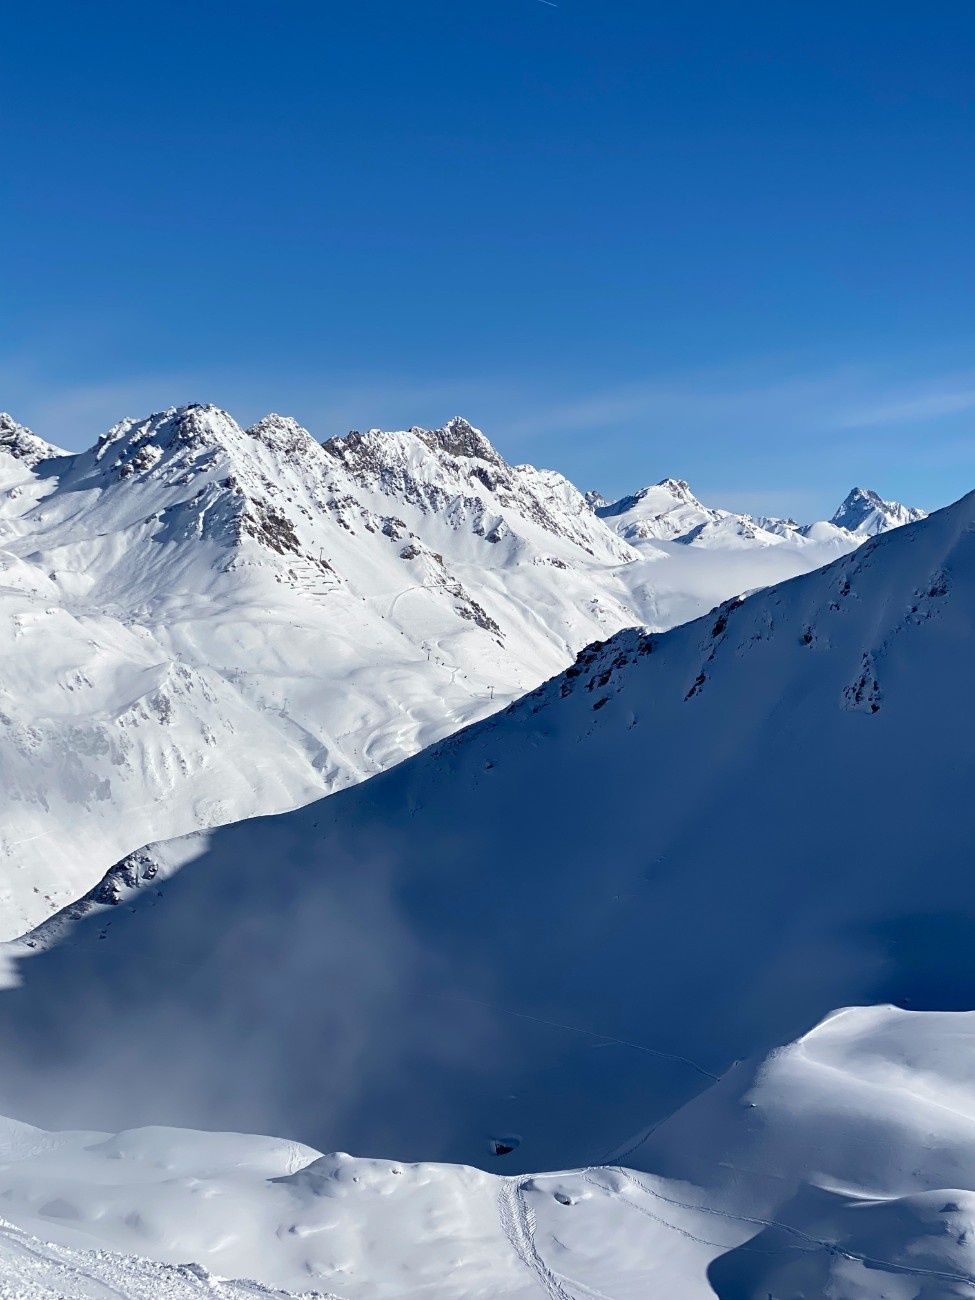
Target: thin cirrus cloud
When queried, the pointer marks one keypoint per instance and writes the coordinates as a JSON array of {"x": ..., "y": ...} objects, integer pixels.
[
  {"x": 690, "y": 404},
  {"x": 829, "y": 401},
  {"x": 921, "y": 407},
  {"x": 765, "y": 442}
]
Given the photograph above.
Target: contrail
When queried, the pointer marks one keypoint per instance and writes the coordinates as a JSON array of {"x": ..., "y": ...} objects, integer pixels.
[{"x": 551, "y": 3}]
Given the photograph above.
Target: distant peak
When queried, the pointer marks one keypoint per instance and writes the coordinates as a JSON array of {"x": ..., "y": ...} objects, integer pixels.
[
  {"x": 195, "y": 425},
  {"x": 659, "y": 498},
  {"x": 178, "y": 440},
  {"x": 859, "y": 496},
  {"x": 201, "y": 420},
  {"x": 866, "y": 512}
]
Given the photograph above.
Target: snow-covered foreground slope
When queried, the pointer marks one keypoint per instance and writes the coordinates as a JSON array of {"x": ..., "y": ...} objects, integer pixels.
[
  {"x": 36, "y": 1270},
  {"x": 202, "y": 623},
  {"x": 842, "y": 1166},
  {"x": 555, "y": 929}
]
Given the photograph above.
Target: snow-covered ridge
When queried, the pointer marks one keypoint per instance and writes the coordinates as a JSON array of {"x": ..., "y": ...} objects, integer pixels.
[
  {"x": 203, "y": 621},
  {"x": 206, "y": 621},
  {"x": 669, "y": 511},
  {"x": 464, "y": 470}
]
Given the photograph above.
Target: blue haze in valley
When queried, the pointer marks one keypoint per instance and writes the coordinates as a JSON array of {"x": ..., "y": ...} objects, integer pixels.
[{"x": 727, "y": 242}]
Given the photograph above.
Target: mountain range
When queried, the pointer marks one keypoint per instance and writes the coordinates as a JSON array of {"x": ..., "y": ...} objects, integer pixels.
[
  {"x": 204, "y": 622},
  {"x": 689, "y": 922},
  {"x": 651, "y": 978}
]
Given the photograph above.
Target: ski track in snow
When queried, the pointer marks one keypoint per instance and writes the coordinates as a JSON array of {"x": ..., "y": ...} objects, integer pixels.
[
  {"x": 35, "y": 1270},
  {"x": 816, "y": 1243},
  {"x": 517, "y": 1223},
  {"x": 587, "y": 1033}
]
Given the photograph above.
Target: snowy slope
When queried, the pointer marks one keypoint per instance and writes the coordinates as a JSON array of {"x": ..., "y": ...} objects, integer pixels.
[
  {"x": 582, "y": 933},
  {"x": 203, "y": 622},
  {"x": 31, "y": 1269},
  {"x": 554, "y": 930}
]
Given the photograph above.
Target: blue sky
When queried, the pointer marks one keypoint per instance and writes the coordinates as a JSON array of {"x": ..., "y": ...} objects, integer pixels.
[{"x": 727, "y": 241}]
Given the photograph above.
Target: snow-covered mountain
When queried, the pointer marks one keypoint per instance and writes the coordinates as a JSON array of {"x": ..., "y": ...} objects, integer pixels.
[
  {"x": 204, "y": 622},
  {"x": 670, "y": 512},
  {"x": 606, "y": 930},
  {"x": 865, "y": 513},
  {"x": 565, "y": 922}
]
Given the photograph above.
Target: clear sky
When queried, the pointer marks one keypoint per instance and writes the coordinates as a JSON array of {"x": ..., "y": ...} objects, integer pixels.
[{"x": 733, "y": 242}]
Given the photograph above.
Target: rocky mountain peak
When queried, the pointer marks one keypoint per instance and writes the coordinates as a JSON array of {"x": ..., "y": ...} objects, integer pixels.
[
  {"x": 653, "y": 502},
  {"x": 376, "y": 450},
  {"x": 283, "y": 434},
  {"x": 857, "y": 501},
  {"x": 137, "y": 445},
  {"x": 16, "y": 440},
  {"x": 458, "y": 437},
  {"x": 679, "y": 487},
  {"x": 865, "y": 512},
  {"x": 182, "y": 442}
]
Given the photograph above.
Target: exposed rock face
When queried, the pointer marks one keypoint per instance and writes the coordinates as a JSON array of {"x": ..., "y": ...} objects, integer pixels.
[{"x": 18, "y": 442}]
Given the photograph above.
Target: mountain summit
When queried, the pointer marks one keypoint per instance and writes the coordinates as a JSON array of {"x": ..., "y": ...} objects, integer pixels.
[{"x": 865, "y": 513}]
